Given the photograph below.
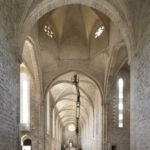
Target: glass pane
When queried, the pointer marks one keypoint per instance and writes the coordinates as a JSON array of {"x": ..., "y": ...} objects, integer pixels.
[
  {"x": 25, "y": 98},
  {"x": 120, "y": 105}
]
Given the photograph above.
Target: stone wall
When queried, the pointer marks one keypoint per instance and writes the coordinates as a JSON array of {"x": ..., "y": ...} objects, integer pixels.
[
  {"x": 140, "y": 85},
  {"x": 140, "y": 122},
  {"x": 52, "y": 139},
  {"x": 119, "y": 137},
  {"x": 9, "y": 81},
  {"x": 91, "y": 133},
  {"x": 9, "y": 101},
  {"x": 29, "y": 56},
  {"x": 35, "y": 119},
  {"x": 140, "y": 81}
]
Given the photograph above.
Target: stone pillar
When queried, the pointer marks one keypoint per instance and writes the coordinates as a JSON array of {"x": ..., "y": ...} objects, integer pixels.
[
  {"x": 9, "y": 80},
  {"x": 9, "y": 99},
  {"x": 140, "y": 81},
  {"x": 140, "y": 101}
]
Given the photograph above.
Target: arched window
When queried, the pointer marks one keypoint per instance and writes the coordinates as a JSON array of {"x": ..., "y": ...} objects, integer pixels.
[
  {"x": 120, "y": 103},
  {"x": 48, "y": 113},
  {"x": 99, "y": 31},
  {"x": 26, "y": 143},
  {"x": 24, "y": 99}
]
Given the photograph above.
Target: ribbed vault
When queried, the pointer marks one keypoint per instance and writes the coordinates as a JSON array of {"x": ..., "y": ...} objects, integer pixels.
[
  {"x": 74, "y": 27},
  {"x": 64, "y": 95}
]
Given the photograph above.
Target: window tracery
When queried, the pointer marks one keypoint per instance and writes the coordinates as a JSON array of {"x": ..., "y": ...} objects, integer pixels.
[
  {"x": 48, "y": 30},
  {"x": 99, "y": 31}
]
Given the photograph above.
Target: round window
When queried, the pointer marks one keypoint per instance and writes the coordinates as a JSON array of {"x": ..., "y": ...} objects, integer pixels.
[{"x": 71, "y": 127}]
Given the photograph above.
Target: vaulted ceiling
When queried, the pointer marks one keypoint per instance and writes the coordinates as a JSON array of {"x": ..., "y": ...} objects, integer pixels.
[
  {"x": 67, "y": 41},
  {"x": 64, "y": 94},
  {"x": 74, "y": 28}
]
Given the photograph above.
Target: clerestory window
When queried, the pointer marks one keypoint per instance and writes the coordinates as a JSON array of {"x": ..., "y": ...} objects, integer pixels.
[
  {"x": 120, "y": 102},
  {"x": 99, "y": 31}
]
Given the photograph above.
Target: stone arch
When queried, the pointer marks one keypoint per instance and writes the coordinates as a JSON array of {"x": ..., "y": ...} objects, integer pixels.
[
  {"x": 124, "y": 75},
  {"x": 117, "y": 16},
  {"x": 62, "y": 98},
  {"x": 57, "y": 81},
  {"x": 83, "y": 98},
  {"x": 36, "y": 85},
  {"x": 36, "y": 74},
  {"x": 25, "y": 137},
  {"x": 84, "y": 109},
  {"x": 112, "y": 61},
  {"x": 66, "y": 109},
  {"x": 52, "y": 83},
  {"x": 70, "y": 117},
  {"x": 72, "y": 121},
  {"x": 66, "y": 123},
  {"x": 35, "y": 61},
  {"x": 65, "y": 81}
]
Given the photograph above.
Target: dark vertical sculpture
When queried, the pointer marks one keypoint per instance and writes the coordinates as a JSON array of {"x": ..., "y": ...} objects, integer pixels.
[{"x": 76, "y": 83}]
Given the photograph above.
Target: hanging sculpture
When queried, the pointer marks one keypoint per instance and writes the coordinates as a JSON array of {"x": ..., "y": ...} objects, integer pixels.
[{"x": 76, "y": 83}]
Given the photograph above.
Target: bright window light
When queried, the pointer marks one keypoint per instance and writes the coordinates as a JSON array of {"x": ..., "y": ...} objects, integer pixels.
[
  {"x": 24, "y": 101},
  {"x": 120, "y": 88},
  {"x": 48, "y": 31},
  {"x": 99, "y": 31},
  {"x": 120, "y": 125},
  {"x": 120, "y": 107},
  {"x": 120, "y": 104},
  {"x": 120, "y": 116},
  {"x": 71, "y": 127},
  {"x": 26, "y": 147}
]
